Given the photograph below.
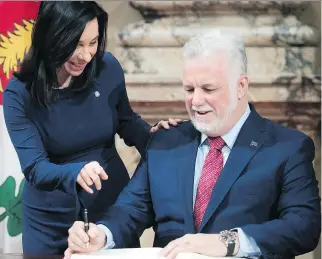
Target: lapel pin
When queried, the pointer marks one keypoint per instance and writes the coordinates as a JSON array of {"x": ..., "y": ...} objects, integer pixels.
[
  {"x": 97, "y": 93},
  {"x": 253, "y": 144}
]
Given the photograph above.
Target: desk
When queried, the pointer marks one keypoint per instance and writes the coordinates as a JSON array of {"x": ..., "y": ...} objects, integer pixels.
[{"x": 20, "y": 256}]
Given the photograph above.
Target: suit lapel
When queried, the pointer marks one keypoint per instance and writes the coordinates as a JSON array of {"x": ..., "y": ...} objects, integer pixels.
[
  {"x": 250, "y": 139},
  {"x": 186, "y": 158}
]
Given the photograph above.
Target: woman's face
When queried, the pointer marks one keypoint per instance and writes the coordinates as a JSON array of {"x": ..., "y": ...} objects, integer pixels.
[{"x": 85, "y": 51}]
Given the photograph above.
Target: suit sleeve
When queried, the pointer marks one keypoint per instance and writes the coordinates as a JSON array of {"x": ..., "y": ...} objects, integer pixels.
[
  {"x": 34, "y": 162},
  {"x": 298, "y": 226},
  {"x": 133, "y": 211},
  {"x": 131, "y": 127}
]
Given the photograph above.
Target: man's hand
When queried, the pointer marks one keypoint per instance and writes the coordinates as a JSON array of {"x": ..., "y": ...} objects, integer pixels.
[
  {"x": 91, "y": 173},
  {"x": 81, "y": 242},
  {"x": 205, "y": 244}
]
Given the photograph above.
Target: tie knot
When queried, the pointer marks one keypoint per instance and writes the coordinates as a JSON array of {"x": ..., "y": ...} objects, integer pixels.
[{"x": 216, "y": 143}]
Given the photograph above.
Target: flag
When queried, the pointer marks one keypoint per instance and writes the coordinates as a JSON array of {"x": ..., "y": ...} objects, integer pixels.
[{"x": 16, "y": 23}]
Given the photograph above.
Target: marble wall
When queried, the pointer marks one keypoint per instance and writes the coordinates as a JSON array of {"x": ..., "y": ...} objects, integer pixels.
[{"x": 283, "y": 47}]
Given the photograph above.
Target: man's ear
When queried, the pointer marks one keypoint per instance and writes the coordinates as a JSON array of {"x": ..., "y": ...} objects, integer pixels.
[{"x": 242, "y": 87}]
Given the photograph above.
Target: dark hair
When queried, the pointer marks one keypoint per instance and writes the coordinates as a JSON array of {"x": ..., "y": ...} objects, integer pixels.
[{"x": 56, "y": 33}]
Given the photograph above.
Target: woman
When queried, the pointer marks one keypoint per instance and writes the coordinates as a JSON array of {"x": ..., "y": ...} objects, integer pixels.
[{"x": 62, "y": 111}]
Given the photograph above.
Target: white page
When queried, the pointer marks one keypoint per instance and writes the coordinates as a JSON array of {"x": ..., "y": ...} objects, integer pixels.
[
  {"x": 125, "y": 253},
  {"x": 199, "y": 256},
  {"x": 138, "y": 253}
]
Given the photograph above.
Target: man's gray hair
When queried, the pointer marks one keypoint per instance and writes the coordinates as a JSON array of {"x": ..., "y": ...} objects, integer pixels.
[{"x": 206, "y": 44}]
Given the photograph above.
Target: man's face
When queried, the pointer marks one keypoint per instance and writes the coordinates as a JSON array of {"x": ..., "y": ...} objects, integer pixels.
[{"x": 209, "y": 98}]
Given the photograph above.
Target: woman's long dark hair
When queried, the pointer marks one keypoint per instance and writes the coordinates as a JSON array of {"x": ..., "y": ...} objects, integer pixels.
[{"x": 56, "y": 33}]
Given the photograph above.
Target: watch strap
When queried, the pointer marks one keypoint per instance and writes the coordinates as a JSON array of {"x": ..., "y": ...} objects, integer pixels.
[
  {"x": 230, "y": 249},
  {"x": 229, "y": 239}
]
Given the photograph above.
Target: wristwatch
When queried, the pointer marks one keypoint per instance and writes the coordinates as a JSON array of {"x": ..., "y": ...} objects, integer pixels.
[{"x": 229, "y": 239}]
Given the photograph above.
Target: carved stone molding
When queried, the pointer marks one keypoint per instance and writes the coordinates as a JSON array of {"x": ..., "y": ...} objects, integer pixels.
[
  {"x": 210, "y": 7},
  {"x": 266, "y": 65},
  {"x": 261, "y": 30}
]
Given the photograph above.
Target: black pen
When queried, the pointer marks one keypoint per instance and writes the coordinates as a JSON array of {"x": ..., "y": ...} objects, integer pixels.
[{"x": 86, "y": 223}]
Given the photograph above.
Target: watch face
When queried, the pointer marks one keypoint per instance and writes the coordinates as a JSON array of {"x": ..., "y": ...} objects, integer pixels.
[{"x": 228, "y": 237}]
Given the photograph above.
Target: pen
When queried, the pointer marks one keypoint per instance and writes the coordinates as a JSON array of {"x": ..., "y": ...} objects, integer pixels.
[{"x": 86, "y": 223}]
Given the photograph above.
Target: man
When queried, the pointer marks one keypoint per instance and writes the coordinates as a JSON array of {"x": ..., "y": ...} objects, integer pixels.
[{"x": 227, "y": 183}]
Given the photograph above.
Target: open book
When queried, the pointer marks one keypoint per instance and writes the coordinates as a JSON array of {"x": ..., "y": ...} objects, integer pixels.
[{"x": 138, "y": 253}]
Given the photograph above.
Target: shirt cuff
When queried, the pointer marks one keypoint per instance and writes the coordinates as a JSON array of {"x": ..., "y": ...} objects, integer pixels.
[
  {"x": 247, "y": 245},
  {"x": 109, "y": 237}
]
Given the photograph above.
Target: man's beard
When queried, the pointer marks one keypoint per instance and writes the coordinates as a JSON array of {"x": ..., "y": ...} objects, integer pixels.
[{"x": 212, "y": 128}]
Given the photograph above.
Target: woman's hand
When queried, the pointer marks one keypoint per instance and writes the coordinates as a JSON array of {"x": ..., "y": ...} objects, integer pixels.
[
  {"x": 165, "y": 124},
  {"x": 91, "y": 173}
]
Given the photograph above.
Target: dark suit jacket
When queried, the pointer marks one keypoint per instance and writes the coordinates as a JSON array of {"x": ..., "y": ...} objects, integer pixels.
[{"x": 267, "y": 188}]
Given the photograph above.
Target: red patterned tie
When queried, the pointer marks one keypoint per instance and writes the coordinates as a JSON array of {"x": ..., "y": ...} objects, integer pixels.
[{"x": 210, "y": 172}]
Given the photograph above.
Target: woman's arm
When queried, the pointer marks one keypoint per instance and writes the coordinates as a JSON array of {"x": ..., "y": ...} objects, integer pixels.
[
  {"x": 34, "y": 162},
  {"x": 131, "y": 127}
]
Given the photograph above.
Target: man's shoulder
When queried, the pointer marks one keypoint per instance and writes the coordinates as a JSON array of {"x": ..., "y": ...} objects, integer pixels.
[
  {"x": 284, "y": 134},
  {"x": 173, "y": 137}
]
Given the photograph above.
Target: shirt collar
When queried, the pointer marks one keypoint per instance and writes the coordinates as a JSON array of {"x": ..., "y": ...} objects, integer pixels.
[{"x": 231, "y": 136}]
